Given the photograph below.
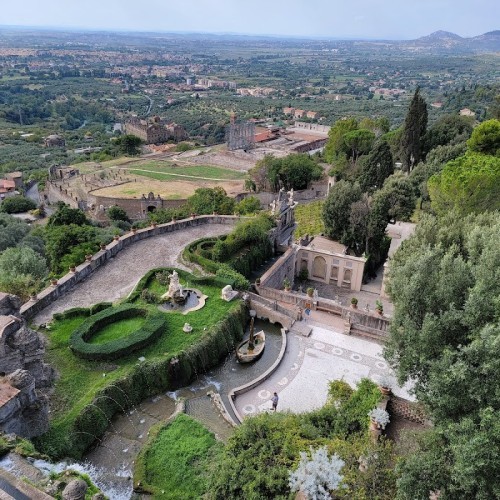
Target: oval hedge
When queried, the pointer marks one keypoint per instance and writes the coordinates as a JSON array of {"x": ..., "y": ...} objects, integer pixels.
[{"x": 151, "y": 329}]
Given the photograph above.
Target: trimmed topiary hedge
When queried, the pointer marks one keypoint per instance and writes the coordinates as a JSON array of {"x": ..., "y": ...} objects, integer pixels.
[{"x": 153, "y": 326}]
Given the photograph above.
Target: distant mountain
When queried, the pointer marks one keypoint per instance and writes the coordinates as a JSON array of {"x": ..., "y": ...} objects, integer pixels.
[
  {"x": 447, "y": 41},
  {"x": 440, "y": 36}
]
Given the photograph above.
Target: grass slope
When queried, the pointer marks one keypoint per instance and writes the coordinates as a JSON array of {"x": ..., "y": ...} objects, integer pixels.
[
  {"x": 309, "y": 219},
  {"x": 174, "y": 463}
]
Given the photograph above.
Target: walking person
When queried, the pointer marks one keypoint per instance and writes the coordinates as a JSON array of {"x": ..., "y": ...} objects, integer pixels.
[{"x": 274, "y": 401}]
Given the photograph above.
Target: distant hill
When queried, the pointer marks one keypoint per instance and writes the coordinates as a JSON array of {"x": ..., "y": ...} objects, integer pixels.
[
  {"x": 445, "y": 40},
  {"x": 440, "y": 35}
]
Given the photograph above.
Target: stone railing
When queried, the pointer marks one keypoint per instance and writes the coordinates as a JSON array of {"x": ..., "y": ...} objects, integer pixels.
[
  {"x": 274, "y": 312},
  {"x": 68, "y": 281},
  {"x": 360, "y": 322}
]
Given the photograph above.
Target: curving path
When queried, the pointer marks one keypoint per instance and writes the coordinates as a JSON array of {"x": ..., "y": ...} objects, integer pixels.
[{"x": 117, "y": 278}]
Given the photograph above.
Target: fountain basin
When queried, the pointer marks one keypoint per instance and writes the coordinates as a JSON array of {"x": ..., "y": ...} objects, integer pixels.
[
  {"x": 195, "y": 300},
  {"x": 246, "y": 355}
]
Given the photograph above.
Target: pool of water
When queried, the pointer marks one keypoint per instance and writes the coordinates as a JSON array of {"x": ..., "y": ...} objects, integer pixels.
[{"x": 192, "y": 300}]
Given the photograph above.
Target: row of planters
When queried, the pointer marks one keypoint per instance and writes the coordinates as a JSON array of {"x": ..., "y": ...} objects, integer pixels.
[{"x": 83, "y": 421}]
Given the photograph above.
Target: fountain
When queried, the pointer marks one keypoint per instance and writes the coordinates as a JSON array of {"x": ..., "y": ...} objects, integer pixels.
[
  {"x": 251, "y": 349},
  {"x": 178, "y": 298}
]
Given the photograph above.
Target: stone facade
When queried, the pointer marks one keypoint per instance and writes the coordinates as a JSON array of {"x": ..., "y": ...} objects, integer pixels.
[
  {"x": 154, "y": 131},
  {"x": 23, "y": 409},
  {"x": 328, "y": 261}
]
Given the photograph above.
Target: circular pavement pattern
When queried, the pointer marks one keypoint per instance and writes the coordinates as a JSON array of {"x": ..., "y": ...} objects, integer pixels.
[
  {"x": 283, "y": 381},
  {"x": 319, "y": 345},
  {"x": 247, "y": 409},
  {"x": 381, "y": 365},
  {"x": 264, "y": 394},
  {"x": 337, "y": 351},
  {"x": 356, "y": 357}
]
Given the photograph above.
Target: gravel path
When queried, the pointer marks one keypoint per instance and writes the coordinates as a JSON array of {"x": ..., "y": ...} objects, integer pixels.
[{"x": 118, "y": 277}]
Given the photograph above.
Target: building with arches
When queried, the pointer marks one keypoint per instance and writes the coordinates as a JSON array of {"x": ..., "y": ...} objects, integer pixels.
[{"x": 329, "y": 262}]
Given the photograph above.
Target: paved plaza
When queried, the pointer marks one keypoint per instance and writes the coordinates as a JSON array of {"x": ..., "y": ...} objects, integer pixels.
[
  {"x": 310, "y": 363},
  {"x": 116, "y": 279}
]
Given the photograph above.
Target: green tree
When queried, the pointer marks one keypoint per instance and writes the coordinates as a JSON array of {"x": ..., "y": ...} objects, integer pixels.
[
  {"x": 209, "y": 200},
  {"x": 66, "y": 215},
  {"x": 12, "y": 231},
  {"x": 129, "y": 144},
  {"x": 117, "y": 213},
  {"x": 471, "y": 183},
  {"x": 414, "y": 129},
  {"x": 335, "y": 145},
  {"x": 397, "y": 198},
  {"x": 248, "y": 205},
  {"x": 22, "y": 261},
  {"x": 486, "y": 138},
  {"x": 337, "y": 210},
  {"x": 377, "y": 166},
  {"x": 358, "y": 142},
  {"x": 17, "y": 204}
]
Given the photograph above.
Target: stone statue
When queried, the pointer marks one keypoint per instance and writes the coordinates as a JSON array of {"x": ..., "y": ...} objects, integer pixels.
[
  {"x": 290, "y": 197},
  {"x": 273, "y": 207},
  {"x": 315, "y": 295}
]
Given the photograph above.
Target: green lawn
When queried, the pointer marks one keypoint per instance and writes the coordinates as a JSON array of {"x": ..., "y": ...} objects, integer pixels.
[
  {"x": 309, "y": 219},
  {"x": 117, "y": 330},
  {"x": 79, "y": 380},
  {"x": 175, "y": 462},
  {"x": 168, "y": 171}
]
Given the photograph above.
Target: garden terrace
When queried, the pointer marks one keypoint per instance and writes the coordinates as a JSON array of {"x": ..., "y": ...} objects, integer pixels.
[{"x": 88, "y": 393}]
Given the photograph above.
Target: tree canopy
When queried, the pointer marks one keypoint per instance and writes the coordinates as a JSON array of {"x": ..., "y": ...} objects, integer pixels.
[
  {"x": 470, "y": 183},
  {"x": 17, "y": 204},
  {"x": 486, "y": 138},
  {"x": 444, "y": 336}
]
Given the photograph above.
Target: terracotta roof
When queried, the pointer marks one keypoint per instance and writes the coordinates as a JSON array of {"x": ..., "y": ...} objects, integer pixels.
[
  {"x": 323, "y": 244},
  {"x": 7, "y": 184}
]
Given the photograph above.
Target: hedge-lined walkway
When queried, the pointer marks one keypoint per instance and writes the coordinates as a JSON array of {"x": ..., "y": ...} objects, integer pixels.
[{"x": 117, "y": 278}]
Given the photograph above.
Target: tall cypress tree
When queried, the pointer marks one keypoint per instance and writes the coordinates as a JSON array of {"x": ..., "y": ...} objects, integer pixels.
[
  {"x": 378, "y": 166},
  {"x": 414, "y": 131}
]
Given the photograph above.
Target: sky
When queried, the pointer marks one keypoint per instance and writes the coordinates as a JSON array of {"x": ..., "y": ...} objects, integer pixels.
[{"x": 379, "y": 19}]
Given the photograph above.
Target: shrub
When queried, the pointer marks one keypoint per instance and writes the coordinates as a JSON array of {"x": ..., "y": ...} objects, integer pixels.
[
  {"x": 234, "y": 278},
  {"x": 149, "y": 297},
  {"x": 17, "y": 204},
  {"x": 151, "y": 329}
]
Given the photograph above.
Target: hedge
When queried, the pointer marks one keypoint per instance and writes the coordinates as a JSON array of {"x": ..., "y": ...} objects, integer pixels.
[
  {"x": 153, "y": 326},
  {"x": 145, "y": 380},
  {"x": 82, "y": 311}
]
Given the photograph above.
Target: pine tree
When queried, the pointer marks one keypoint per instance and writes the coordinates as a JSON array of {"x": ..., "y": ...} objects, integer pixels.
[{"x": 413, "y": 132}]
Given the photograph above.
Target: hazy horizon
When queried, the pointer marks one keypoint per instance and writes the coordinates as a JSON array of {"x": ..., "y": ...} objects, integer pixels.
[{"x": 358, "y": 19}]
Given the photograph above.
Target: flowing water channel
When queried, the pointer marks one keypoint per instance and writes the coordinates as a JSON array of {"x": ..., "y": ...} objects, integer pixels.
[{"x": 110, "y": 461}]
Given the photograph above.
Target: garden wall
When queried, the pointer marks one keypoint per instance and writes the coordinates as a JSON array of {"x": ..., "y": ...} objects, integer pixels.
[
  {"x": 283, "y": 268},
  {"x": 68, "y": 281}
]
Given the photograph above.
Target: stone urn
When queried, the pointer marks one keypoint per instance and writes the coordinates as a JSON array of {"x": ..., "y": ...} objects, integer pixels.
[
  {"x": 174, "y": 220},
  {"x": 193, "y": 215},
  {"x": 53, "y": 282},
  {"x": 33, "y": 296},
  {"x": 103, "y": 246},
  {"x": 72, "y": 269},
  {"x": 116, "y": 237},
  {"x": 88, "y": 257},
  {"x": 153, "y": 224},
  {"x": 134, "y": 230}
]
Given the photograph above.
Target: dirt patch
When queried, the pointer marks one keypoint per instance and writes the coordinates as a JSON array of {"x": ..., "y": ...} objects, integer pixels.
[{"x": 171, "y": 190}]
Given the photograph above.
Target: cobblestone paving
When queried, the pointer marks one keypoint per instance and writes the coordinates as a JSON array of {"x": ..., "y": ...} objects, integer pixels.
[
  {"x": 309, "y": 364},
  {"x": 117, "y": 277}
]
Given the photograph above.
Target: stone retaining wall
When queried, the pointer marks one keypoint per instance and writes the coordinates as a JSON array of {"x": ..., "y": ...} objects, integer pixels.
[
  {"x": 68, "y": 281},
  {"x": 283, "y": 267}
]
